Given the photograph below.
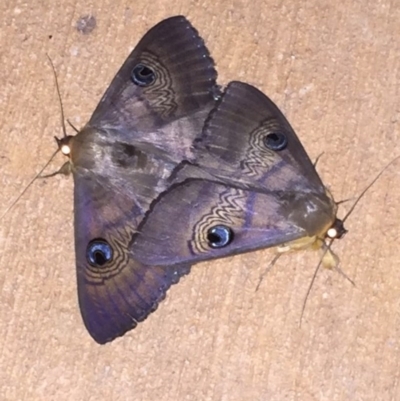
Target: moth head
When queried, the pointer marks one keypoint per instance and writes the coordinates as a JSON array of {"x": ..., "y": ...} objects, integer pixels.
[
  {"x": 336, "y": 231},
  {"x": 64, "y": 144}
]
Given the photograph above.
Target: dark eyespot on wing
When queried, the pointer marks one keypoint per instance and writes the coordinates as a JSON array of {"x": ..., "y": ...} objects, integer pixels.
[
  {"x": 142, "y": 75},
  {"x": 219, "y": 236},
  {"x": 276, "y": 141}
]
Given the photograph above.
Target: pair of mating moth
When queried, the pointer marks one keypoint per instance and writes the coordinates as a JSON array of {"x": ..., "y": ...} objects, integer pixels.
[{"x": 170, "y": 171}]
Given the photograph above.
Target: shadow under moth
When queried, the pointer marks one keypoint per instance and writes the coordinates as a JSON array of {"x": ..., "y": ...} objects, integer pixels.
[{"x": 170, "y": 171}]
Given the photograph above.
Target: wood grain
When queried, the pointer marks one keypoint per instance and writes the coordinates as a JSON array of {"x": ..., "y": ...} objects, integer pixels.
[{"x": 333, "y": 68}]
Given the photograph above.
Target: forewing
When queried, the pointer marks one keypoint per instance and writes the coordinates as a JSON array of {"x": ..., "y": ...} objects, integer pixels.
[
  {"x": 178, "y": 99},
  {"x": 233, "y": 143},
  {"x": 178, "y": 226}
]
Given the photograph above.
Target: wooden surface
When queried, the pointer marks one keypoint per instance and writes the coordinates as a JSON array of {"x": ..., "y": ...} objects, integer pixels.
[{"x": 333, "y": 68}]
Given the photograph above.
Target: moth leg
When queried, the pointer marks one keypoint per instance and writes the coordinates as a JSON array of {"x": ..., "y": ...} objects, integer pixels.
[
  {"x": 317, "y": 159},
  {"x": 283, "y": 248},
  {"x": 65, "y": 169},
  {"x": 302, "y": 243},
  {"x": 299, "y": 244},
  {"x": 330, "y": 260},
  {"x": 269, "y": 267}
]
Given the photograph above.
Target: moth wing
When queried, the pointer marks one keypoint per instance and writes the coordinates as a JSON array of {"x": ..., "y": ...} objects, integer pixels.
[
  {"x": 113, "y": 296},
  {"x": 234, "y": 142},
  {"x": 177, "y": 100},
  {"x": 179, "y": 227}
]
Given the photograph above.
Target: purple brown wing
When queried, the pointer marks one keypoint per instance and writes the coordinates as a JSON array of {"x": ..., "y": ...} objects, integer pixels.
[
  {"x": 165, "y": 87},
  {"x": 115, "y": 290},
  {"x": 237, "y": 143},
  {"x": 200, "y": 220}
]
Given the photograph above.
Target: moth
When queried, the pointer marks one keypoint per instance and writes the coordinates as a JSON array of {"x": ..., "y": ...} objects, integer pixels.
[
  {"x": 252, "y": 186},
  {"x": 122, "y": 160},
  {"x": 169, "y": 172}
]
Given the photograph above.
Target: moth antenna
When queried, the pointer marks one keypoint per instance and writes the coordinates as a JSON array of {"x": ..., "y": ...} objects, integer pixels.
[
  {"x": 340, "y": 271},
  {"x": 59, "y": 96},
  {"x": 54, "y": 154},
  {"x": 269, "y": 267},
  {"x": 29, "y": 184},
  {"x": 367, "y": 188}
]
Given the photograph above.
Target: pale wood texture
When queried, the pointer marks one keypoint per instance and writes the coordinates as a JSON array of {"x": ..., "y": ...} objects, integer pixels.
[{"x": 333, "y": 67}]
